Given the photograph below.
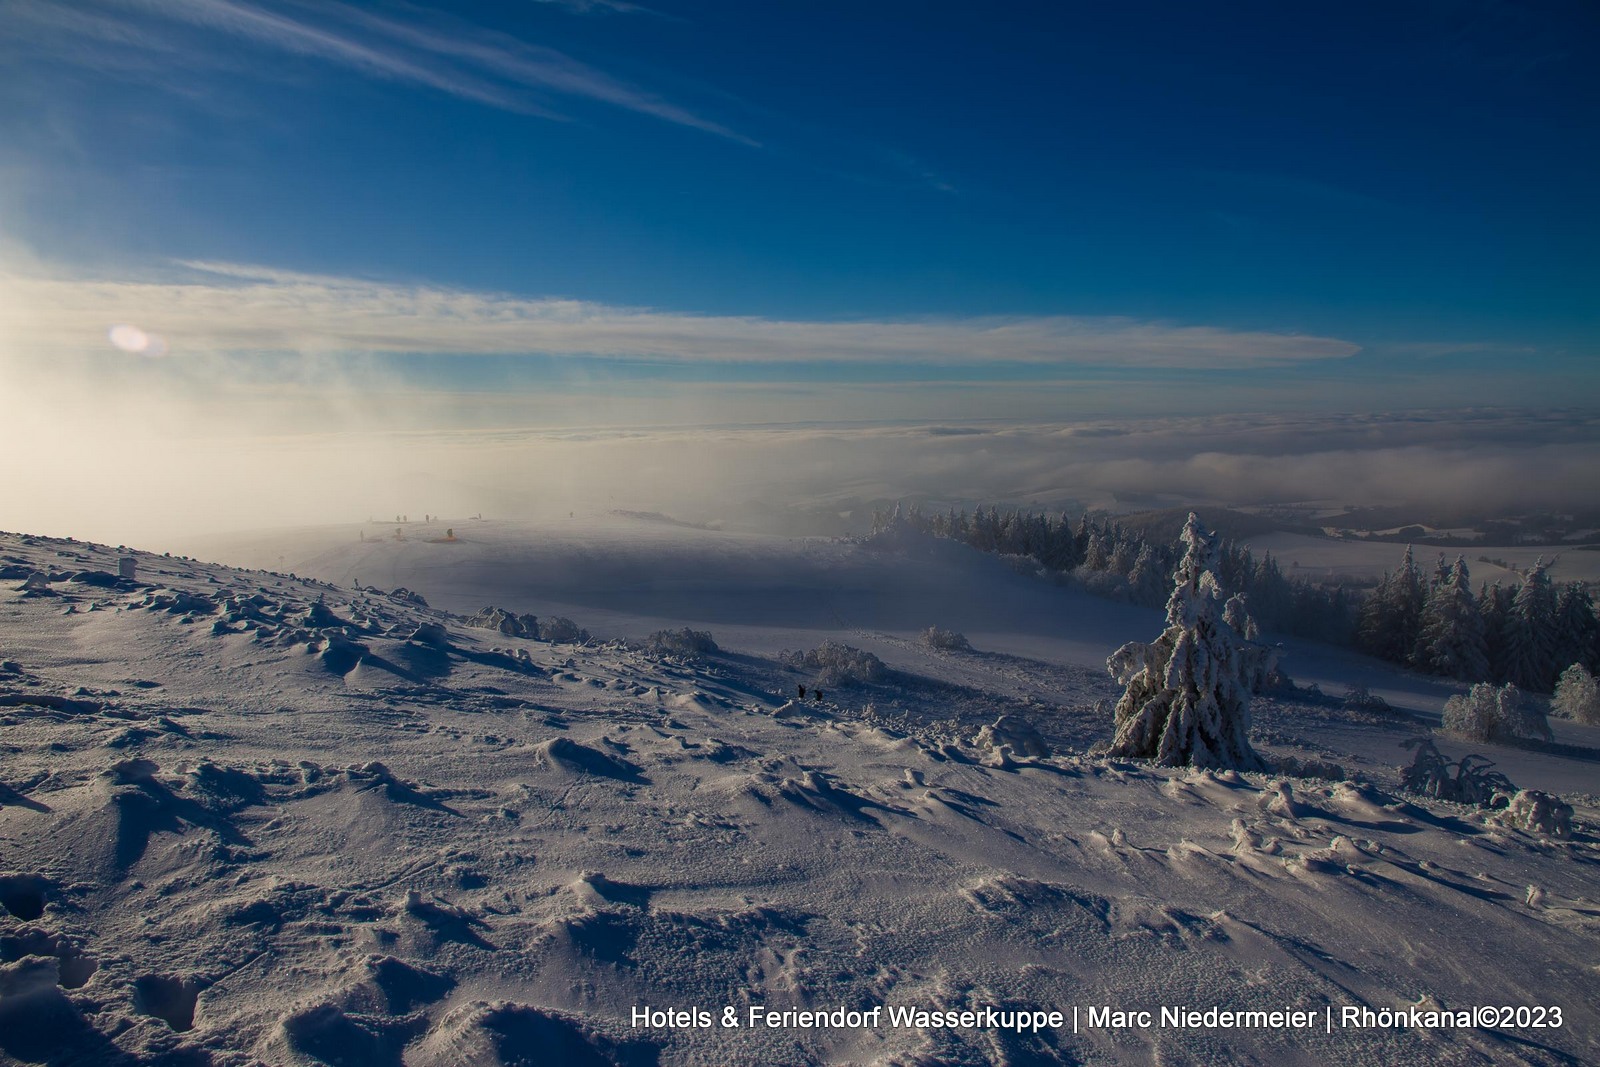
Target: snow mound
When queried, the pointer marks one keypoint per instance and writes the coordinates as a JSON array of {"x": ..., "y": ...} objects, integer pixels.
[
  {"x": 507, "y": 1034},
  {"x": 570, "y": 756}
]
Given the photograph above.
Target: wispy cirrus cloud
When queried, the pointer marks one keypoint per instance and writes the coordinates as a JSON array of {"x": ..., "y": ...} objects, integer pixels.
[
  {"x": 446, "y": 55},
  {"x": 226, "y": 308},
  {"x": 586, "y": 7}
]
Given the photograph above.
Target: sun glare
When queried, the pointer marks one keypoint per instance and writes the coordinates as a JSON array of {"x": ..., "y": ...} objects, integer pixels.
[{"x": 133, "y": 340}]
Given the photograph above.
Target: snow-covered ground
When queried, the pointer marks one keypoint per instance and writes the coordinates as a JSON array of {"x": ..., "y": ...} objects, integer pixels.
[{"x": 252, "y": 818}]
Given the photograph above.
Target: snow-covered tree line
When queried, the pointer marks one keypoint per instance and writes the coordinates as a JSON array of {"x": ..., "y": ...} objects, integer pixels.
[
  {"x": 1430, "y": 621},
  {"x": 1115, "y": 561},
  {"x": 1524, "y": 636}
]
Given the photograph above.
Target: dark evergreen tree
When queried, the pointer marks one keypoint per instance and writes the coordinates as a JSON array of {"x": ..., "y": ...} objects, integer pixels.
[
  {"x": 1452, "y": 640},
  {"x": 1391, "y": 617},
  {"x": 1494, "y": 604},
  {"x": 1530, "y": 645},
  {"x": 1577, "y": 629},
  {"x": 1271, "y": 595}
]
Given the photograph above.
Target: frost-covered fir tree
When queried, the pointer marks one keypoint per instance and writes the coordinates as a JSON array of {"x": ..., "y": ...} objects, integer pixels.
[
  {"x": 1236, "y": 613},
  {"x": 1391, "y": 617},
  {"x": 1147, "y": 583},
  {"x": 1528, "y": 637},
  {"x": 1271, "y": 594},
  {"x": 1441, "y": 576},
  {"x": 1577, "y": 629},
  {"x": 1577, "y": 695},
  {"x": 1258, "y": 662},
  {"x": 1098, "y": 554},
  {"x": 1452, "y": 638},
  {"x": 1186, "y": 700},
  {"x": 1494, "y": 604}
]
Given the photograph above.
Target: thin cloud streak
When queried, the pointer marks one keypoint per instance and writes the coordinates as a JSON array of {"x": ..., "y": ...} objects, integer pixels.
[
  {"x": 482, "y": 66},
  {"x": 533, "y": 66},
  {"x": 286, "y": 34},
  {"x": 225, "y": 308}
]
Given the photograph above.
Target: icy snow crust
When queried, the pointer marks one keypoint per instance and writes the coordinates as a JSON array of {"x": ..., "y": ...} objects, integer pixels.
[{"x": 249, "y": 818}]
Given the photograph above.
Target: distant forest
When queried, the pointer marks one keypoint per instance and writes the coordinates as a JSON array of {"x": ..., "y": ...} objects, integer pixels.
[{"x": 1426, "y": 618}]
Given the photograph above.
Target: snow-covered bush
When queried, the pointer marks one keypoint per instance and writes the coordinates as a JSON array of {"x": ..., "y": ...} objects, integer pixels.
[
  {"x": 837, "y": 664},
  {"x": 1539, "y": 813},
  {"x": 687, "y": 643},
  {"x": 1295, "y": 767},
  {"x": 1471, "y": 783},
  {"x": 1577, "y": 695},
  {"x": 1187, "y": 696},
  {"x": 945, "y": 640},
  {"x": 507, "y": 622},
  {"x": 1360, "y": 699},
  {"x": 562, "y": 630},
  {"x": 1486, "y": 713},
  {"x": 1014, "y": 732}
]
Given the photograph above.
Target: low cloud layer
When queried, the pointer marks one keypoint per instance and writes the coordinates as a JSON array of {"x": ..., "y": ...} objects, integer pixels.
[{"x": 151, "y": 483}]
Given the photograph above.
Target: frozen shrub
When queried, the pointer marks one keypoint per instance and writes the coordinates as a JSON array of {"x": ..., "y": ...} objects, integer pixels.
[
  {"x": 506, "y": 622},
  {"x": 1359, "y": 699},
  {"x": 836, "y": 664},
  {"x": 1472, "y": 782},
  {"x": 1489, "y": 714},
  {"x": 1296, "y": 767},
  {"x": 687, "y": 643},
  {"x": 1577, "y": 695},
  {"x": 562, "y": 630},
  {"x": 1014, "y": 732},
  {"x": 1539, "y": 813},
  {"x": 945, "y": 640}
]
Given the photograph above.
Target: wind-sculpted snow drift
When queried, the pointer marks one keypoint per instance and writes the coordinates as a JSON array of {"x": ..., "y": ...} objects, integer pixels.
[{"x": 251, "y": 818}]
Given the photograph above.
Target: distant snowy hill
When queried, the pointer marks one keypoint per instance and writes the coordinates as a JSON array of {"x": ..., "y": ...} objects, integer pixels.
[{"x": 253, "y": 818}]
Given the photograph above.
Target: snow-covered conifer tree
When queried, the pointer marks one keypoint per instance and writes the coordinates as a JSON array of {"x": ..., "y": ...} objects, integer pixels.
[
  {"x": 1529, "y": 635},
  {"x": 1577, "y": 629},
  {"x": 1258, "y": 662},
  {"x": 1271, "y": 595},
  {"x": 1391, "y": 616},
  {"x": 1494, "y": 604},
  {"x": 1147, "y": 584},
  {"x": 1122, "y": 557},
  {"x": 1236, "y": 613},
  {"x": 1062, "y": 554},
  {"x": 1452, "y": 638},
  {"x": 1408, "y": 597},
  {"x": 1186, "y": 701},
  {"x": 1098, "y": 554}
]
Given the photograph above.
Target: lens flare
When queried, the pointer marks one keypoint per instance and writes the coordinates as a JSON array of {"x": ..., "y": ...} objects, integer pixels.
[{"x": 134, "y": 340}]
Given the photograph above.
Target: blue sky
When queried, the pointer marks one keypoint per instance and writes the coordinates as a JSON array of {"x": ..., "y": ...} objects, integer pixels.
[{"x": 1144, "y": 207}]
